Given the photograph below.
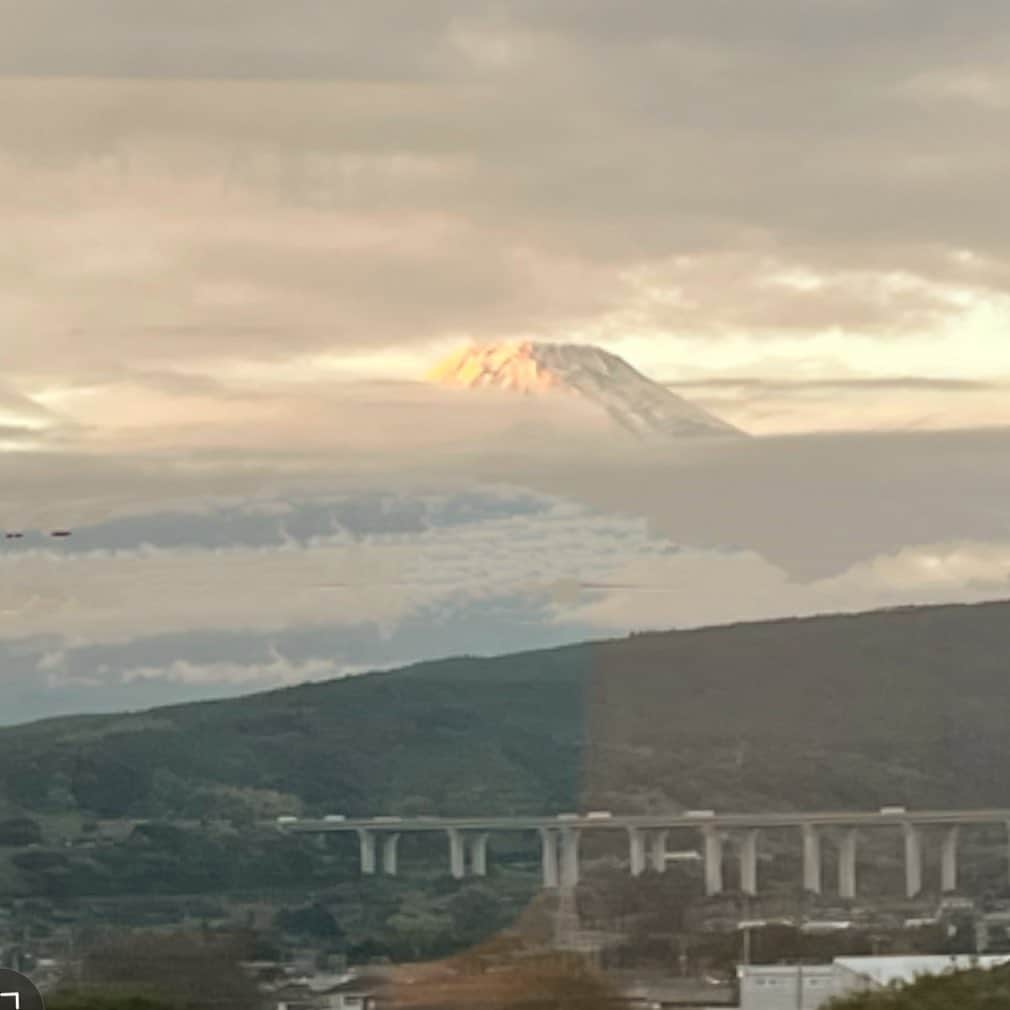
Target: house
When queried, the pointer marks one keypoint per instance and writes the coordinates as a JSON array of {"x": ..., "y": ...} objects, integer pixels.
[
  {"x": 353, "y": 994},
  {"x": 325, "y": 992}
]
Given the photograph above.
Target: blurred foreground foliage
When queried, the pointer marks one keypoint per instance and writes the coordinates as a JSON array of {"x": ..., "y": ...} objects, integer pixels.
[
  {"x": 158, "y": 971},
  {"x": 966, "y": 990},
  {"x": 106, "y": 1000}
]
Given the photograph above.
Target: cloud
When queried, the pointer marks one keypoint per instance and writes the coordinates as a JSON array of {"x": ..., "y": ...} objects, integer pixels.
[
  {"x": 811, "y": 505},
  {"x": 399, "y": 176},
  {"x": 603, "y": 577},
  {"x": 21, "y": 414},
  {"x": 278, "y": 671},
  {"x": 192, "y": 575},
  {"x": 309, "y": 39},
  {"x": 143, "y": 672},
  {"x": 758, "y": 385},
  {"x": 358, "y": 560},
  {"x": 794, "y": 405},
  {"x": 695, "y": 589},
  {"x": 96, "y": 597}
]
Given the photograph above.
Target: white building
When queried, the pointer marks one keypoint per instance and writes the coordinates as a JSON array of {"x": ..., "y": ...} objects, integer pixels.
[
  {"x": 778, "y": 986},
  {"x": 809, "y": 987}
]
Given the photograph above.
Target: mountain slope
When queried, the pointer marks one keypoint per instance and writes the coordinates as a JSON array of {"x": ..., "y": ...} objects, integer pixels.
[
  {"x": 631, "y": 400},
  {"x": 905, "y": 706}
]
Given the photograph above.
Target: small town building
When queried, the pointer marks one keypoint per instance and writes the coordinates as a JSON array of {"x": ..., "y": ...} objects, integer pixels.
[{"x": 322, "y": 992}]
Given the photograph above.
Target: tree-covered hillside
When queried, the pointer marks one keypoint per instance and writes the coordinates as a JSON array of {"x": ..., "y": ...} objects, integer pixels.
[{"x": 906, "y": 706}]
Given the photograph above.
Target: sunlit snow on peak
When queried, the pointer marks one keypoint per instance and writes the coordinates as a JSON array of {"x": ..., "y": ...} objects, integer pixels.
[{"x": 631, "y": 400}]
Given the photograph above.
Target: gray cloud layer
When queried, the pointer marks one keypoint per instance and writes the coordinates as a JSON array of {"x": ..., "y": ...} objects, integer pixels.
[
  {"x": 223, "y": 592},
  {"x": 508, "y": 167},
  {"x": 210, "y": 209}
]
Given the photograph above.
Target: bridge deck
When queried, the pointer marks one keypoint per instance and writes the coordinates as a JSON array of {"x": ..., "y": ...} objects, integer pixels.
[{"x": 624, "y": 822}]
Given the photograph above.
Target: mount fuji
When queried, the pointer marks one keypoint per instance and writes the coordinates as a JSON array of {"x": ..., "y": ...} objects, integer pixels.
[{"x": 630, "y": 399}]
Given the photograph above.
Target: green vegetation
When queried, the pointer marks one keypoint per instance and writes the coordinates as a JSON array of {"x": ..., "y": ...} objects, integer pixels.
[
  {"x": 18, "y": 831},
  {"x": 907, "y": 706},
  {"x": 439, "y": 738},
  {"x": 968, "y": 990},
  {"x": 901, "y": 706},
  {"x": 314, "y": 921}
]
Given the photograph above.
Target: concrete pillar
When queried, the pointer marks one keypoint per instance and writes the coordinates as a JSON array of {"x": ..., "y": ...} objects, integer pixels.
[
  {"x": 478, "y": 855},
  {"x": 549, "y": 857},
  {"x": 657, "y": 851},
  {"x": 636, "y": 849},
  {"x": 913, "y": 860},
  {"x": 811, "y": 859},
  {"x": 457, "y": 854},
  {"x": 366, "y": 844},
  {"x": 847, "y": 864},
  {"x": 389, "y": 854},
  {"x": 1008, "y": 850},
  {"x": 569, "y": 857},
  {"x": 713, "y": 859},
  {"x": 748, "y": 862},
  {"x": 948, "y": 860}
]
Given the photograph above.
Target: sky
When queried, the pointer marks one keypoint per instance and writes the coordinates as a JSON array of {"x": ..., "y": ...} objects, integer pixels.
[{"x": 238, "y": 234}]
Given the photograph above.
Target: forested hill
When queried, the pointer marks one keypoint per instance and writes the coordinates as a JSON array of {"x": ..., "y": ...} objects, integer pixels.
[{"x": 904, "y": 706}]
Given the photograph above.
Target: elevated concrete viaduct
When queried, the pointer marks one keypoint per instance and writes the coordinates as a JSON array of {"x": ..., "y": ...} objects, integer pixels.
[{"x": 647, "y": 841}]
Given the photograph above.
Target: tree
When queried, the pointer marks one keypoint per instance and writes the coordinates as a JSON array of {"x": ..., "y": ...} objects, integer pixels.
[
  {"x": 476, "y": 912},
  {"x": 108, "y": 784},
  {"x": 20, "y": 831},
  {"x": 369, "y": 949},
  {"x": 416, "y": 932},
  {"x": 310, "y": 920}
]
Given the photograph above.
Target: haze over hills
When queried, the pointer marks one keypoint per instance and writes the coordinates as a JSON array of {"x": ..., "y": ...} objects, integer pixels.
[
  {"x": 903, "y": 706},
  {"x": 631, "y": 400}
]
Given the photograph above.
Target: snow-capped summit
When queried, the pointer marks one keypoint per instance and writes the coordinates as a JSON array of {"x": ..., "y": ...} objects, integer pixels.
[{"x": 632, "y": 400}]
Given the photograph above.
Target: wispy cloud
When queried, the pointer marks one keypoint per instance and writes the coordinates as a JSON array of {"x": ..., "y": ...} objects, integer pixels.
[
  {"x": 757, "y": 385},
  {"x": 279, "y": 670},
  {"x": 693, "y": 589}
]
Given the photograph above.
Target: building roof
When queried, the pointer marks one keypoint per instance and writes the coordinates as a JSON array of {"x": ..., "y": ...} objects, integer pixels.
[
  {"x": 324, "y": 984},
  {"x": 358, "y": 987},
  {"x": 777, "y": 970}
]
